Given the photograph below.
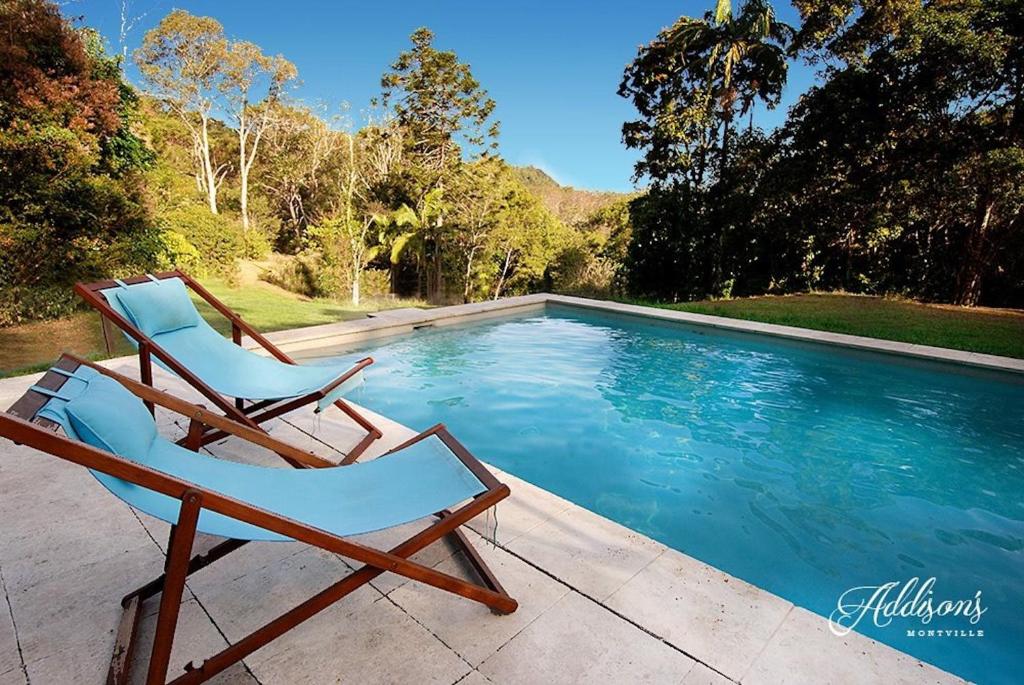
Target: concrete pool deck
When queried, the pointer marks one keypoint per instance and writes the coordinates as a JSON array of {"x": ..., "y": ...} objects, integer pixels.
[{"x": 598, "y": 602}]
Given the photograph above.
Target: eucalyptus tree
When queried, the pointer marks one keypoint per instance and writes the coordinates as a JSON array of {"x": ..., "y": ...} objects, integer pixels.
[
  {"x": 182, "y": 59},
  {"x": 298, "y": 151},
  {"x": 252, "y": 84},
  {"x": 481, "y": 197}
]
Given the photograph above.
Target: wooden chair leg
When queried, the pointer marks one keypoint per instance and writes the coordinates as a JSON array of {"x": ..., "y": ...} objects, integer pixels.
[
  {"x": 146, "y": 372},
  {"x": 174, "y": 585}
]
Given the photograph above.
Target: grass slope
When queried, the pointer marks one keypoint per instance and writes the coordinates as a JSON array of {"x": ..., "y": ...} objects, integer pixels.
[{"x": 992, "y": 331}]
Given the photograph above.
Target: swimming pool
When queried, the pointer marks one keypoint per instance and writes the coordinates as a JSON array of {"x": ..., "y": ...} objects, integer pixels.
[{"x": 803, "y": 469}]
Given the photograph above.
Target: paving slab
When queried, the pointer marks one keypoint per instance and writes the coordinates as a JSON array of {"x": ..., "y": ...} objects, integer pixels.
[
  {"x": 592, "y": 554},
  {"x": 716, "y": 618},
  {"x": 9, "y": 657},
  {"x": 526, "y": 508},
  {"x": 804, "y": 650},
  {"x": 379, "y": 644},
  {"x": 59, "y": 530},
  {"x": 261, "y": 581},
  {"x": 429, "y": 556},
  {"x": 196, "y": 638},
  {"x": 66, "y": 624},
  {"x": 702, "y": 675},
  {"x": 474, "y": 678},
  {"x": 578, "y": 641},
  {"x": 15, "y": 676},
  {"x": 469, "y": 627}
]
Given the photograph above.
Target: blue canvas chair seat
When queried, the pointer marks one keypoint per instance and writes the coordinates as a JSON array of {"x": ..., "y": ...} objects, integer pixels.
[
  {"x": 226, "y": 367},
  {"x": 414, "y": 483}
]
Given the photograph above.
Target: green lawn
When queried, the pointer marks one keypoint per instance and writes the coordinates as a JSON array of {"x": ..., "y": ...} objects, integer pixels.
[
  {"x": 993, "y": 331},
  {"x": 34, "y": 346}
]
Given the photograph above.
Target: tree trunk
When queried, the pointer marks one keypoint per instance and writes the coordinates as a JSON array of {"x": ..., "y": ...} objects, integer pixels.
[
  {"x": 968, "y": 288},
  {"x": 211, "y": 177},
  {"x": 243, "y": 173},
  {"x": 244, "y": 201},
  {"x": 355, "y": 287},
  {"x": 469, "y": 271},
  {"x": 503, "y": 274}
]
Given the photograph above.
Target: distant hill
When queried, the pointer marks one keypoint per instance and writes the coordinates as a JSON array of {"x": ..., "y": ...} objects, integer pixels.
[{"x": 570, "y": 205}]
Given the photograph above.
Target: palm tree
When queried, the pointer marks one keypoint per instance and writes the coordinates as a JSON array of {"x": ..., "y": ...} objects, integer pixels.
[
  {"x": 741, "y": 58},
  {"x": 409, "y": 230}
]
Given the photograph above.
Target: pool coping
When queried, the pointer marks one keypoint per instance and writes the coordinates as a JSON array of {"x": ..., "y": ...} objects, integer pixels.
[{"x": 403, "y": 321}]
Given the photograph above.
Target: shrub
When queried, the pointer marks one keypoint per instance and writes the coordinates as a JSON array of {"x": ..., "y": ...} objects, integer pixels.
[
  {"x": 21, "y": 304},
  {"x": 296, "y": 273},
  {"x": 216, "y": 238},
  {"x": 375, "y": 283},
  {"x": 179, "y": 253}
]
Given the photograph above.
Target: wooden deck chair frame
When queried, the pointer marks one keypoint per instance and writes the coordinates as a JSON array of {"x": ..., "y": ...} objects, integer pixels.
[
  {"x": 255, "y": 413},
  {"x": 21, "y": 425}
]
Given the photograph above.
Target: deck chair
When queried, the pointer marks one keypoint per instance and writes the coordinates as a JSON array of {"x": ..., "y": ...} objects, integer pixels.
[
  {"x": 157, "y": 316},
  {"x": 88, "y": 415}
]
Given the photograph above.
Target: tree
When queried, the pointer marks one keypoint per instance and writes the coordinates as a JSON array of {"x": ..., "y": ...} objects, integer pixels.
[
  {"x": 445, "y": 113},
  {"x": 71, "y": 197},
  {"x": 688, "y": 86},
  {"x": 443, "y": 108},
  {"x": 903, "y": 169},
  {"x": 299, "y": 149},
  {"x": 408, "y": 230},
  {"x": 481, "y": 193},
  {"x": 371, "y": 156},
  {"x": 245, "y": 69},
  {"x": 690, "y": 83},
  {"x": 183, "y": 60},
  {"x": 524, "y": 244}
]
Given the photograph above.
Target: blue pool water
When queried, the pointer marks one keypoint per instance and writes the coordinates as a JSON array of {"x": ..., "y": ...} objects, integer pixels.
[{"x": 805, "y": 470}]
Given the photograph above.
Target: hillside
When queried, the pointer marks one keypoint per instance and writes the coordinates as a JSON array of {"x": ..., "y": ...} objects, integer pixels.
[{"x": 569, "y": 204}]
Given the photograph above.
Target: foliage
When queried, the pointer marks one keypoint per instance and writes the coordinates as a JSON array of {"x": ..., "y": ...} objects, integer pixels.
[
  {"x": 441, "y": 105},
  {"x": 208, "y": 243},
  {"x": 296, "y": 273},
  {"x": 72, "y": 203},
  {"x": 184, "y": 60},
  {"x": 573, "y": 206},
  {"x": 213, "y": 165},
  {"x": 900, "y": 173},
  {"x": 21, "y": 304},
  {"x": 903, "y": 171},
  {"x": 690, "y": 83},
  {"x": 593, "y": 262}
]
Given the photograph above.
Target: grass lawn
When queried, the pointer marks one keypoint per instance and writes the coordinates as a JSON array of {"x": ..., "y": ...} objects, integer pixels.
[
  {"x": 34, "y": 346},
  {"x": 992, "y": 331}
]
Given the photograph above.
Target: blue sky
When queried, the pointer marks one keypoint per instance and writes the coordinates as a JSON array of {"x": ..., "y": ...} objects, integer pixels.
[{"x": 552, "y": 67}]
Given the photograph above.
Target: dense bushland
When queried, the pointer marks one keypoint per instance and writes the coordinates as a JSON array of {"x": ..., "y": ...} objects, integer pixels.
[{"x": 901, "y": 171}]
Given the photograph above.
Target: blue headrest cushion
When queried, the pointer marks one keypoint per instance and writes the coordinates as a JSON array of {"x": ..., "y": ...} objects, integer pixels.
[
  {"x": 108, "y": 416},
  {"x": 158, "y": 306}
]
